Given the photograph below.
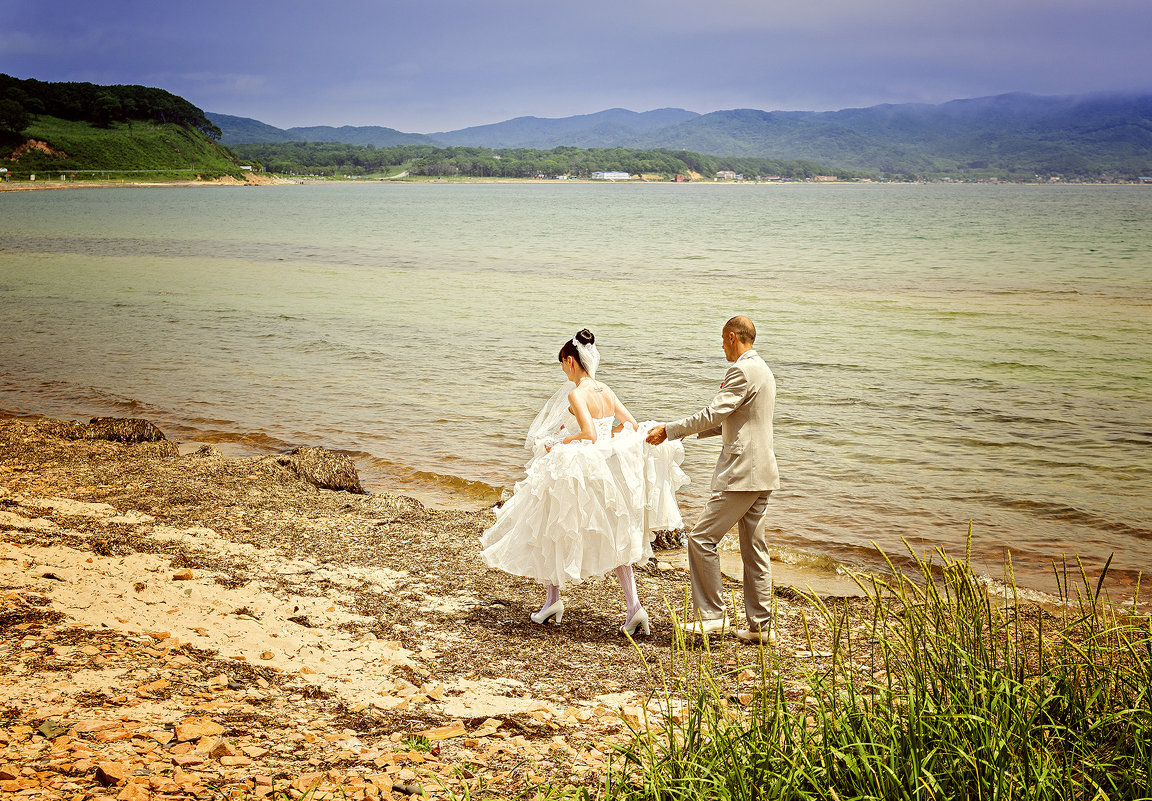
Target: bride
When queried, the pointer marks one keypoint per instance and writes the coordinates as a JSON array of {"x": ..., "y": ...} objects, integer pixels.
[{"x": 592, "y": 494}]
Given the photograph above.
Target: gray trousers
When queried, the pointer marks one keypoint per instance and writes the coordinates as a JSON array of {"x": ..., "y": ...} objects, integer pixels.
[{"x": 721, "y": 512}]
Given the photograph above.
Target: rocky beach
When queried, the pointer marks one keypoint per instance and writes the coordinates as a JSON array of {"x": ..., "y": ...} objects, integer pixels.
[{"x": 183, "y": 624}]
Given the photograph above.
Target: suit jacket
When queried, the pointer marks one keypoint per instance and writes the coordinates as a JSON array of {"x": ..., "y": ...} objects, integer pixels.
[{"x": 742, "y": 414}]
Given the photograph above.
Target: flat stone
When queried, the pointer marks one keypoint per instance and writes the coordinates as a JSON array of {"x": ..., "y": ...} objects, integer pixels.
[
  {"x": 187, "y": 760},
  {"x": 67, "y": 506},
  {"x": 52, "y": 729},
  {"x": 135, "y": 792},
  {"x": 89, "y": 726},
  {"x": 195, "y": 728},
  {"x": 110, "y": 773},
  {"x": 488, "y": 727},
  {"x": 113, "y": 735},
  {"x": 131, "y": 518},
  {"x": 222, "y": 749},
  {"x": 183, "y": 777},
  {"x": 444, "y": 732},
  {"x": 20, "y": 523},
  {"x": 235, "y": 761}
]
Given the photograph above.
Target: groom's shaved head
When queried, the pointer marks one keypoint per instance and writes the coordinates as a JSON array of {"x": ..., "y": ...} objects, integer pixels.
[{"x": 742, "y": 327}]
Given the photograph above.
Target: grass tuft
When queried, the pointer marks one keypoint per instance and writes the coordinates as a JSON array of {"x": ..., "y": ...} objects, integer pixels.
[{"x": 939, "y": 690}]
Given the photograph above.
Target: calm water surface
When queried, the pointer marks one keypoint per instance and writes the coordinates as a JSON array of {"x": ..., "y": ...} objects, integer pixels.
[{"x": 943, "y": 354}]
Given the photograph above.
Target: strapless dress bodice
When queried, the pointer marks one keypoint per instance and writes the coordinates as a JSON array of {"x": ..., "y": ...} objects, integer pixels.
[{"x": 603, "y": 426}]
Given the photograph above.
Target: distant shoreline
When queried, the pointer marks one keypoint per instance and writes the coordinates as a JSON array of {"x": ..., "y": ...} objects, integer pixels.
[
  {"x": 266, "y": 180},
  {"x": 26, "y": 186}
]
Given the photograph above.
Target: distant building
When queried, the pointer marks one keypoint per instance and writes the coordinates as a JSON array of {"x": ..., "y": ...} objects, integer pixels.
[
  {"x": 681, "y": 179},
  {"x": 610, "y": 175},
  {"x": 825, "y": 178},
  {"x": 726, "y": 175}
]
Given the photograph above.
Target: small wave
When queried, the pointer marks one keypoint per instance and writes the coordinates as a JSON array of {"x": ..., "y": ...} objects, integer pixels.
[
  {"x": 1120, "y": 587},
  {"x": 855, "y": 368},
  {"x": 256, "y": 440},
  {"x": 1059, "y": 511},
  {"x": 385, "y": 474},
  {"x": 100, "y": 401},
  {"x": 1135, "y": 438},
  {"x": 808, "y": 560},
  {"x": 208, "y": 421},
  {"x": 1002, "y": 589}
]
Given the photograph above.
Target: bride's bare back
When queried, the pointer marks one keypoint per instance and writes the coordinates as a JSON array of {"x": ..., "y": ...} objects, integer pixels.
[{"x": 595, "y": 400}]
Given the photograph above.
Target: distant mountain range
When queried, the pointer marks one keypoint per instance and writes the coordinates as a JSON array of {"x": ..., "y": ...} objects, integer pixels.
[
  {"x": 243, "y": 130},
  {"x": 616, "y": 127},
  {"x": 1084, "y": 134}
]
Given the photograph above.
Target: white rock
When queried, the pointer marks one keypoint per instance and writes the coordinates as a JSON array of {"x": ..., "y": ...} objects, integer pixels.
[
  {"x": 131, "y": 518},
  {"x": 13, "y": 520},
  {"x": 66, "y": 506}
]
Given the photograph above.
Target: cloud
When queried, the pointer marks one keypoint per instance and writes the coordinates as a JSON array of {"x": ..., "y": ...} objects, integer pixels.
[{"x": 443, "y": 64}]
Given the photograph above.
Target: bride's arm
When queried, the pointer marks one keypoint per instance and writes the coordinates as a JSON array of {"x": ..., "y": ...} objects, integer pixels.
[{"x": 583, "y": 417}]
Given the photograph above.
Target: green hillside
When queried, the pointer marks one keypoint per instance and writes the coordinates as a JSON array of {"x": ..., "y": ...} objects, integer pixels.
[
  {"x": 84, "y": 130},
  {"x": 50, "y": 146}
]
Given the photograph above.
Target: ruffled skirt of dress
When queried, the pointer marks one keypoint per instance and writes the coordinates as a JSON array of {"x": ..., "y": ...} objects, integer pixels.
[{"x": 584, "y": 509}]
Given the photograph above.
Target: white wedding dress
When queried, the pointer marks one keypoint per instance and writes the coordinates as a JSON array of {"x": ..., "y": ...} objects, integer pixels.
[{"x": 584, "y": 509}]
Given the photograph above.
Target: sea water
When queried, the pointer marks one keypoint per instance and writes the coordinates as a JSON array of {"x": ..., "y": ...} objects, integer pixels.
[{"x": 946, "y": 356}]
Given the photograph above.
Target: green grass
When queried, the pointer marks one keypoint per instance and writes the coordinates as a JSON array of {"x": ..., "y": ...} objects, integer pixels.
[
  {"x": 937, "y": 691},
  {"x": 142, "y": 151}
]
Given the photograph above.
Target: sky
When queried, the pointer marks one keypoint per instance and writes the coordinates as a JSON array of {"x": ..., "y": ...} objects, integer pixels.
[{"x": 424, "y": 66}]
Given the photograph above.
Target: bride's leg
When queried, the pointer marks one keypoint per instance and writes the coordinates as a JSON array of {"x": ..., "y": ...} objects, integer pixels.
[
  {"x": 627, "y": 581},
  {"x": 552, "y": 597},
  {"x": 637, "y": 618},
  {"x": 550, "y": 600}
]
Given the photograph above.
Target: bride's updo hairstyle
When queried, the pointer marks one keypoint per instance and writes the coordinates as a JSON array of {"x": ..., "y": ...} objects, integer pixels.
[{"x": 584, "y": 337}]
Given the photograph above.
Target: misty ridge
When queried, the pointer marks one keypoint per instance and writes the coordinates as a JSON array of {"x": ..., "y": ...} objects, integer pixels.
[{"x": 1075, "y": 135}]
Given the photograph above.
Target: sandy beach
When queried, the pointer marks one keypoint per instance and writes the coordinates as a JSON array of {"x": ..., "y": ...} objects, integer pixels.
[{"x": 172, "y": 623}]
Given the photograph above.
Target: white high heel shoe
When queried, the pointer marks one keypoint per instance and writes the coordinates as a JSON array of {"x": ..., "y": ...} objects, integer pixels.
[
  {"x": 555, "y": 610},
  {"x": 636, "y": 622}
]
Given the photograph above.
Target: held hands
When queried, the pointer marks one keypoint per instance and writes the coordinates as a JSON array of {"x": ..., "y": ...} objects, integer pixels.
[{"x": 656, "y": 434}]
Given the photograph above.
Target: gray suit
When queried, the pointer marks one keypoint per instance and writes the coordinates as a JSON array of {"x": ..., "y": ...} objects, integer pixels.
[{"x": 746, "y": 473}]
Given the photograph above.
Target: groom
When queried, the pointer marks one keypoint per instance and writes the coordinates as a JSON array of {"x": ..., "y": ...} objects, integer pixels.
[{"x": 745, "y": 476}]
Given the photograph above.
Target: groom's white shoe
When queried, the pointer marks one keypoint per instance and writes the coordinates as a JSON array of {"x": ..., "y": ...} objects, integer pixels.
[
  {"x": 765, "y": 635},
  {"x": 702, "y": 628}
]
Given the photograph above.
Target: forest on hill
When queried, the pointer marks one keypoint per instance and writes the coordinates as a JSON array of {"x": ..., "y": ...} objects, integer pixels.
[
  {"x": 86, "y": 130},
  {"x": 21, "y": 100},
  {"x": 336, "y": 159}
]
